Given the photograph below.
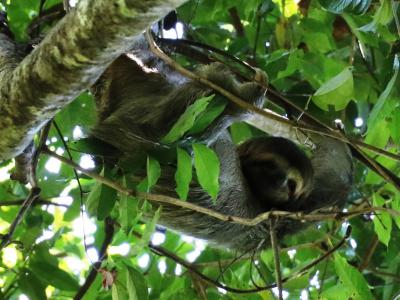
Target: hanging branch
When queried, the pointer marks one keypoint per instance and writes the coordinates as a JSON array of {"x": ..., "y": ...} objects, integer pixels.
[
  {"x": 377, "y": 167},
  {"x": 37, "y": 202},
  {"x": 160, "y": 199},
  {"x": 35, "y": 190},
  {"x": 236, "y": 22},
  {"x": 6, "y": 239},
  {"x": 186, "y": 47},
  {"x": 164, "y": 252},
  {"x": 108, "y": 236}
]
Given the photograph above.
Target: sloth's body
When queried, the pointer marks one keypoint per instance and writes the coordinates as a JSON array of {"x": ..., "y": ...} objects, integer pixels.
[{"x": 140, "y": 99}]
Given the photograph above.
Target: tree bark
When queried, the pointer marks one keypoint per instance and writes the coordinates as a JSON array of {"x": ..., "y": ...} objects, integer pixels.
[{"x": 68, "y": 61}]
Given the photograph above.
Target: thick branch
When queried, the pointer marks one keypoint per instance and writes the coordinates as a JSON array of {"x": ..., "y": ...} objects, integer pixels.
[{"x": 71, "y": 57}]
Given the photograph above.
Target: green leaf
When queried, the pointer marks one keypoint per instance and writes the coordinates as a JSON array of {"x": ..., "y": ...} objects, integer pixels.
[
  {"x": 20, "y": 14},
  {"x": 102, "y": 198},
  {"x": 187, "y": 119},
  {"x": 382, "y": 16},
  {"x": 336, "y": 92},
  {"x": 31, "y": 286},
  {"x": 378, "y": 135},
  {"x": 107, "y": 196},
  {"x": 107, "y": 199},
  {"x": 382, "y": 221},
  {"x": 183, "y": 175},
  {"x": 29, "y": 237},
  {"x": 74, "y": 209},
  {"x": 319, "y": 42},
  {"x": 136, "y": 285},
  {"x": 128, "y": 211},
  {"x": 130, "y": 286},
  {"x": 293, "y": 64},
  {"x": 118, "y": 290},
  {"x": 352, "y": 279},
  {"x": 387, "y": 101},
  {"x": 212, "y": 111},
  {"x": 338, "y": 291},
  {"x": 94, "y": 290},
  {"x": 53, "y": 276},
  {"x": 206, "y": 163},
  {"x": 394, "y": 125},
  {"x": 146, "y": 235},
  {"x": 396, "y": 206},
  {"x": 93, "y": 146},
  {"x": 240, "y": 132},
  {"x": 153, "y": 172},
  {"x": 150, "y": 226},
  {"x": 340, "y": 6},
  {"x": 92, "y": 201},
  {"x": 80, "y": 113}
]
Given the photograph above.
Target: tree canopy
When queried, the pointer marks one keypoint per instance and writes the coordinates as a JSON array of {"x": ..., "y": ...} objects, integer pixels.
[{"x": 72, "y": 228}]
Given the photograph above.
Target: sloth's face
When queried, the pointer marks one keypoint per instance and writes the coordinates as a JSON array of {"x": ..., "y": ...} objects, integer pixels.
[
  {"x": 277, "y": 171},
  {"x": 273, "y": 181}
]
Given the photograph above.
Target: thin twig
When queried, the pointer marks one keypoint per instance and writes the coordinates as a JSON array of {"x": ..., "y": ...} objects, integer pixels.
[
  {"x": 275, "y": 250},
  {"x": 232, "y": 261},
  {"x": 257, "y": 35},
  {"x": 79, "y": 185},
  {"x": 37, "y": 202},
  {"x": 198, "y": 285},
  {"x": 395, "y": 277},
  {"x": 323, "y": 129},
  {"x": 323, "y": 277},
  {"x": 229, "y": 261},
  {"x": 164, "y": 252},
  {"x": 7, "y": 238},
  {"x": 34, "y": 192},
  {"x": 370, "y": 251},
  {"x": 316, "y": 216},
  {"x": 109, "y": 234},
  {"x": 382, "y": 171},
  {"x": 370, "y": 69},
  {"x": 396, "y": 18},
  {"x": 52, "y": 14},
  {"x": 236, "y": 22},
  {"x": 36, "y": 154},
  {"x": 70, "y": 157}
]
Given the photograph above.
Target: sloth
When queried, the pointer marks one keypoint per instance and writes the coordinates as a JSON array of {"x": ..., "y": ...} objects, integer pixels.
[{"x": 139, "y": 98}]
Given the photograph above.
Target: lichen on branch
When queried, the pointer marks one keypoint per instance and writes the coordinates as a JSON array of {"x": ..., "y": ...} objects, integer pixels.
[{"x": 68, "y": 61}]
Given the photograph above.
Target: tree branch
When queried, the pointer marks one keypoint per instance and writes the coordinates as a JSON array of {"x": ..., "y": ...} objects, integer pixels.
[
  {"x": 109, "y": 234},
  {"x": 7, "y": 238},
  {"x": 277, "y": 263},
  {"x": 37, "y": 202},
  {"x": 160, "y": 199},
  {"x": 236, "y": 22},
  {"x": 192, "y": 268},
  {"x": 68, "y": 61},
  {"x": 324, "y": 131}
]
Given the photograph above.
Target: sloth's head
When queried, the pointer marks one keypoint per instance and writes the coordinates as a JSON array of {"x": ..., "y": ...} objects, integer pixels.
[{"x": 278, "y": 172}]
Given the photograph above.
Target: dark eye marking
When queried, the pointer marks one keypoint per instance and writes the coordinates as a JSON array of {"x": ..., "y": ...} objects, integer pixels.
[
  {"x": 292, "y": 185},
  {"x": 268, "y": 165}
]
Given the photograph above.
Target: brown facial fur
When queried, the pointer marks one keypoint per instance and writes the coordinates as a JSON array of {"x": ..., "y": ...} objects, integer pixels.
[{"x": 277, "y": 171}]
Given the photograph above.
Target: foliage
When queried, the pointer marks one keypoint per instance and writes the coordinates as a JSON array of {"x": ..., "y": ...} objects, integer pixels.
[{"x": 337, "y": 58}]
